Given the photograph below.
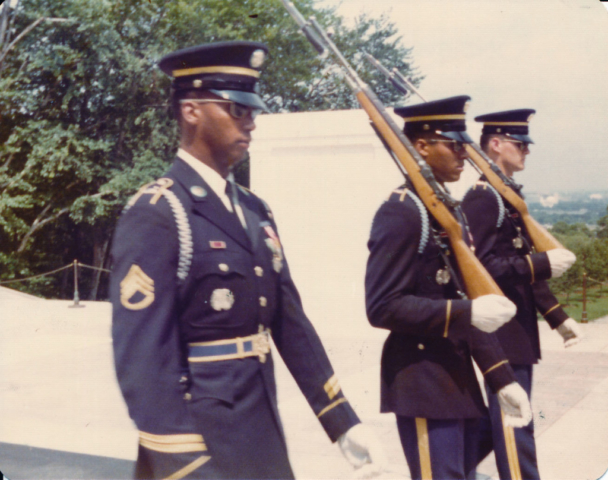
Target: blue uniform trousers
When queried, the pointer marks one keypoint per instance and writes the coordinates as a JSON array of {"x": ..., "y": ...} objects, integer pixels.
[
  {"x": 439, "y": 449},
  {"x": 514, "y": 448}
]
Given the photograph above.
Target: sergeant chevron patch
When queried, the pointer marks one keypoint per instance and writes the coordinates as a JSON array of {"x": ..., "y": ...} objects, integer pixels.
[{"x": 136, "y": 284}]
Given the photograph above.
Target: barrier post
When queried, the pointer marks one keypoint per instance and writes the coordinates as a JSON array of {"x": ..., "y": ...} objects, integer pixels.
[{"x": 76, "y": 295}]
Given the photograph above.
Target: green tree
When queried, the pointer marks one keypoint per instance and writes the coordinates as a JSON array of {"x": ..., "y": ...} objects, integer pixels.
[
  {"x": 602, "y": 224},
  {"x": 591, "y": 256},
  {"x": 85, "y": 120}
]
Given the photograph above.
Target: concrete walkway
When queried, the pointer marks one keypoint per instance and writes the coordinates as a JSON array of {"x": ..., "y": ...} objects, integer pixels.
[{"x": 63, "y": 415}]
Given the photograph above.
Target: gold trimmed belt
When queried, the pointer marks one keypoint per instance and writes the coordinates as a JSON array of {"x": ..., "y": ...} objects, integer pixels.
[{"x": 257, "y": 345}]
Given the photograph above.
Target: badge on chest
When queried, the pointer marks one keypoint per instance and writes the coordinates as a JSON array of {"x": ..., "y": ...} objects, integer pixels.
[{"x": 274, "y": 245}]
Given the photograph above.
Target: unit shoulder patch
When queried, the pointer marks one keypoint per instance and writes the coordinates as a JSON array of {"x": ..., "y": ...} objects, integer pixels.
[{"x": 136, "y": 284}]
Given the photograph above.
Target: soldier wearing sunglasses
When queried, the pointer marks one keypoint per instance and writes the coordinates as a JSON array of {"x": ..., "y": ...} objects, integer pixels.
[
  {"x": 504, "y": 247},
  {"x": 413, "y": 289},
  {"x": 200, "y": 284}
]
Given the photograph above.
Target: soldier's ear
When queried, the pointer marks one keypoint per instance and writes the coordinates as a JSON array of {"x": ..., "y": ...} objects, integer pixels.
[
  {"x": 422, "y": 146},
  {"x": 190, "y": 112},
  {"x": 494, "y": 145}
]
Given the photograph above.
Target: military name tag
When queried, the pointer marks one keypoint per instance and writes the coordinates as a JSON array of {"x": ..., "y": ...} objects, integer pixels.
[{"x": 442, "y": 277}]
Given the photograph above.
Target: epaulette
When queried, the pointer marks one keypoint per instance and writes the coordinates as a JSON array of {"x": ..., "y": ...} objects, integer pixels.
[
  {"x": 424, "y": 217},
  {"x": 161, "y": 188},
  {"x": 501, "y": 205}
]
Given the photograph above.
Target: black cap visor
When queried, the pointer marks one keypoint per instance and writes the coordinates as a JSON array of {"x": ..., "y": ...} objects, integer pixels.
[
  {"x": 248, "y": 99},
  {"x": 458, "y": 136},
  {"x": 520, "y": 138}
]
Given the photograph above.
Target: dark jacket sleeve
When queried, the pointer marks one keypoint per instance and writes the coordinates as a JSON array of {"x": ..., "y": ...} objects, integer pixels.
[
  {"x": 547, "y": 305},
  {"x": 303, "y": 353},
  {"x": 392, "y": 276},
  {"x": 481, "y": 208},
  {"x": 491, "y": 360},
  {"x": 146, "y": 339}
]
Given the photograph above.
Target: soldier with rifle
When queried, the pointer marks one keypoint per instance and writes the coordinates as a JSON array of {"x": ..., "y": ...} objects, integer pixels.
[
  {"x": 520, "y": 264},
  {"x": 420, "y": 267},
  {"x": 414, "y": 289}
]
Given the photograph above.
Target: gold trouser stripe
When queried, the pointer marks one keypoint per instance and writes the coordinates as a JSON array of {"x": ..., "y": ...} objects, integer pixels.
[
  {"x": 435, "y": 117},
  {"x": 495, "y": 366},
  {"x": 189, "y": 468},
  {"x": 448, "y": 312},
  {"x": 249, "y": 72},
  {"x": 531, "y": 268},
  {"x": 181, "y": 443},
  {"x": 551, "y": 309},
  {"x": 521, "y": 124},
  {"x": 332, "y": 387},
  {"x": 424, "y": 450},
  {"x": 511, "y": 447},
  {"x": 330, "y": 406}
]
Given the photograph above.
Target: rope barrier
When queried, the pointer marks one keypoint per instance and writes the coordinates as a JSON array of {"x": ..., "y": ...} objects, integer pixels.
[
  {"x": 37, "y": 276},
  {"x": 93, "y": 268},
  {"x": 52, "y": 272}
]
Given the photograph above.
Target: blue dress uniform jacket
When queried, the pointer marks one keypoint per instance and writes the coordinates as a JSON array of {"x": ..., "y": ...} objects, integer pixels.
[
  {"x": 503, "y": 246},
  {"x": 427, "y": 370},
  {"x": 199, "y": 418}
]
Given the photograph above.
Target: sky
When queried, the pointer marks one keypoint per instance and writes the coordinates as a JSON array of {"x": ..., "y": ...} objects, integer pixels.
[{"x": 549, "y": 55}]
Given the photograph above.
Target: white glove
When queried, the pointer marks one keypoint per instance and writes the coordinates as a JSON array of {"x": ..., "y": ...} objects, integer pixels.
[
  {"x": 570, "y": 332},
  {"x": 363, "y": 450},
  {"x": 490, "y": 312},
  {"x": 515, "y": 405},
  {"x": 560, "y": 260}
]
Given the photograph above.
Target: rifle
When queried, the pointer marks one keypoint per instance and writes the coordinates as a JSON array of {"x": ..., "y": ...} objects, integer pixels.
[
  {"x": 476, "y": 279},
  {"x": 541, "y": 238}
]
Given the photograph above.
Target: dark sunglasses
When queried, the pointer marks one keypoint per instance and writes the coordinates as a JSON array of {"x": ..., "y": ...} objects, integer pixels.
[
  {"x": 455, "y": 145},
  {"x": 523, "y": 146},
  {"x": 236, "y": 110}
]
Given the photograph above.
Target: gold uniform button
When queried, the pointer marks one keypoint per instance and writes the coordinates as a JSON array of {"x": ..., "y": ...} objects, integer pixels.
[
  {"x": 259, "y": 271},
  {"x": 263, "y": 301},
  {"x": 420, "y": 346},
  {"x": 223, "y": 267},
  {"x": 187, "y": 397}
]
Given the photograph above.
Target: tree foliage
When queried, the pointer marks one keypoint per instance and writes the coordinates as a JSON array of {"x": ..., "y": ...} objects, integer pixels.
[
  {"x": 591, "y": 250},
  {"x": 84, "y": 115}
]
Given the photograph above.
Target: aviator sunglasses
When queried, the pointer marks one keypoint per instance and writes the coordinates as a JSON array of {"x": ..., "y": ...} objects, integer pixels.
[
  {"x": 523, "y": 146},
  {"x": 236, "y": 110}
]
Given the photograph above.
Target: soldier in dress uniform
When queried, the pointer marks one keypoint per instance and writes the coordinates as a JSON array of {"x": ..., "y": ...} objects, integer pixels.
[
  {"x": 414, "y": 290},
  {"x": 504, "y": 247},
  {"x": 199, "y": 285}
]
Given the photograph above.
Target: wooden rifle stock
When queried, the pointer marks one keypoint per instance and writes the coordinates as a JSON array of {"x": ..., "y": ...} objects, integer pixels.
[
  {"x": 476, "y": 279},
  {"x": 541, "y": 238},
  {"x": 539, "y": 235}
]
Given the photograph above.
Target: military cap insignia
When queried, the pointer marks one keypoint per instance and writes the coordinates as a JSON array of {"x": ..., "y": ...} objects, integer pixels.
[
  {"x": 222, "y": 299},
  {"x": 136, "y": 284},
  {"x": 257, "y": 58},
  {"x": 197, "y": 83}
]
